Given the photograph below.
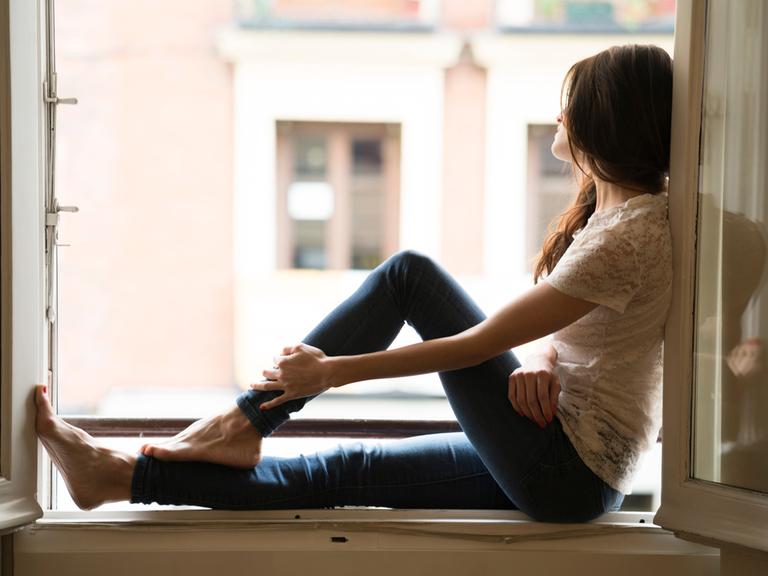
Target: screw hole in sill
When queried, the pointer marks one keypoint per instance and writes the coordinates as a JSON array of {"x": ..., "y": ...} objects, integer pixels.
[{"x": 340, "y": 539}]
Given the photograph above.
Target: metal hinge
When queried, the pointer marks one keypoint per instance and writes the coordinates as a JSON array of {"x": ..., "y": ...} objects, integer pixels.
[
  {"x": 50, "y": 94},
  {"x": 52, "y": 218}
]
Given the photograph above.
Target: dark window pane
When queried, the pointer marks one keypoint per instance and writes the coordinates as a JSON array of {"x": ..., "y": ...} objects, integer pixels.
[{"x": 366, "y": 157}]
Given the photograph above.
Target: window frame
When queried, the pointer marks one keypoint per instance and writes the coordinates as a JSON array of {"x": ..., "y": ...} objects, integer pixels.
[
  {"x": 26, "y": 347},
  {"x": 695, "y": 508},
  {"x": 39, "y": 227}
]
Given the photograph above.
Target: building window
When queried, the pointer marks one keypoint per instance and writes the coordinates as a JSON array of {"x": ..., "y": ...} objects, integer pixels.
[
  {"x": 549, "y": 190},
  {"x": 337, "y": 14},
  {"x": 596, "y": 16},
  {"x": 338, "y": 188}
]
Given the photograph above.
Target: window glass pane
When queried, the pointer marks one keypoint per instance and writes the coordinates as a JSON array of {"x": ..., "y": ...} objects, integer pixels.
[
  {"x": 730, "y": 440},
  {"x": 309, "y": 244},
  {"x": 310, "y": 206},
  {"x": 366, "y": 156},
  {"x": 310, "y": 158}
]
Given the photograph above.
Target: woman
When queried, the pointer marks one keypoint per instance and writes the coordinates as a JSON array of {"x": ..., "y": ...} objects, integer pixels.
[{"x": 558, "y": 438}]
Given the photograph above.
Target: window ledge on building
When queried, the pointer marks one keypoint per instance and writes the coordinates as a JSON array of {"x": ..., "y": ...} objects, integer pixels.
[{"x": 349, "y": 529}]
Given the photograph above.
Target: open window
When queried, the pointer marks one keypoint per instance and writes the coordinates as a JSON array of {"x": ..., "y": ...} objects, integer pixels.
[
  {"x": 715, "y": 476},
  {"x": 238, "y": 170}
]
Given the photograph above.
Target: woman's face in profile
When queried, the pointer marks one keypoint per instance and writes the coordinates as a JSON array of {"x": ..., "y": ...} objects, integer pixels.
[{"x": 560, "y": 148}]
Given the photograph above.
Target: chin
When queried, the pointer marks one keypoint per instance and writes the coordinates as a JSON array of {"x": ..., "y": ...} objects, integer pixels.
[{"x": 557, "y": 152}]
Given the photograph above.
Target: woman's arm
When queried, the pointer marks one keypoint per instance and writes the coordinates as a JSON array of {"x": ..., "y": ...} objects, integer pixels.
[
  {"x": 540, "y": 311},
  {"x": 304, "y": 370}
]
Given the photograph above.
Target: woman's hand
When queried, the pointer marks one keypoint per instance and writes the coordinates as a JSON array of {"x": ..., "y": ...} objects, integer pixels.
[
  {"x": 534, "y": 388},
  {"x": 300, "y": 371}
]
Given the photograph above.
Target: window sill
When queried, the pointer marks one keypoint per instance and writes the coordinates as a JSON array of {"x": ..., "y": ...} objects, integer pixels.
[
  {"x": 190, "y": 516},
  {"x": 352, "y": 529}
]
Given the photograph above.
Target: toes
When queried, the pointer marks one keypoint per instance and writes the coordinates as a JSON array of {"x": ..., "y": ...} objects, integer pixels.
[
  {"x": 45, "y": 419},
  {"x": 162, "y": 453},
  {"x": 41, "y": 398}
]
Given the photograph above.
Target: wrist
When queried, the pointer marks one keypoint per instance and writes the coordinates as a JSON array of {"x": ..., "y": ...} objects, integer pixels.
[
  {"x": 333, "y": 371},
  {"x": 548, "y": 353},
  {"x": 540, "y": 360}
]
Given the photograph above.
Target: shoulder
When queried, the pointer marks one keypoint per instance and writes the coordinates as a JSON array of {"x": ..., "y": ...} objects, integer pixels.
[
  {"x": 639, "y": 213},
  {"x": 638, "y": 224}
]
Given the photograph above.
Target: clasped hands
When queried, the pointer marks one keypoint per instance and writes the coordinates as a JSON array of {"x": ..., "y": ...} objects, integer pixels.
[{"x": 302, "y": 370}]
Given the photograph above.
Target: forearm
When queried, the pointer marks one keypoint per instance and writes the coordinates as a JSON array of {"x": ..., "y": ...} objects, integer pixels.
[{"x": 450, "y": 353}]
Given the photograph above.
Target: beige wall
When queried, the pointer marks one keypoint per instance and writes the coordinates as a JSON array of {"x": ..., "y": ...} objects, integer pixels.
[
  {"x": 464, "y": 167},
  {"x": 382, "y": 563},
  {"x": 147, "y": 156}
]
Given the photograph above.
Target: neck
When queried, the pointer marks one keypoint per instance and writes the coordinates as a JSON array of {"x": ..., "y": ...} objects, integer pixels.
[{"x": 609, "y": 195}]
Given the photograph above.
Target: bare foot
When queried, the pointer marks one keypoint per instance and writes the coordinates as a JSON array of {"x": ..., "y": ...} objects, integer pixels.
[
  {"x": 93, "y": 474},
  {"x": 228, "y": 438}
]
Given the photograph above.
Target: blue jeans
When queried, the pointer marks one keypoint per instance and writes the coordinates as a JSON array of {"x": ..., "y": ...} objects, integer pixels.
[{"x": 500, "y": 461}]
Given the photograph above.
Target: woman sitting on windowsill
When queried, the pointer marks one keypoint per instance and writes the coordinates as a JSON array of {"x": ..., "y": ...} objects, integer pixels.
[{"x": 558, "y": 438}]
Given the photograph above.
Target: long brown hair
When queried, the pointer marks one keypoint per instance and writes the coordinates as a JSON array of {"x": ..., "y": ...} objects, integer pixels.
[{"x": 617, "y": 112}]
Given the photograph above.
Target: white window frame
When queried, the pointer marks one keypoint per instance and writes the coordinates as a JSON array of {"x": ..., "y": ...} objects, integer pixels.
[
  {"x": 29, "y": 329},
  {"x": 702, "y": 510},
  {"x": 18, "y": 505}
]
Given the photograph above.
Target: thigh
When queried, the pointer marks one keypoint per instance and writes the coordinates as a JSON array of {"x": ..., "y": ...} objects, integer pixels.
[
  {"x": 441, "y": 471},
  {"x": 510, "y": 446},
  {"x": 562, "y": 488}
]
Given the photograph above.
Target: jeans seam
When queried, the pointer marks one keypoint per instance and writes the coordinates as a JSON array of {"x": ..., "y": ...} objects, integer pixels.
[{"x": 215, "y": 500}]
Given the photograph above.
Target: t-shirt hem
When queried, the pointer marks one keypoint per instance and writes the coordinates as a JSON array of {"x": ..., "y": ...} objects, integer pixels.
[{"x": 623, "y": 486}]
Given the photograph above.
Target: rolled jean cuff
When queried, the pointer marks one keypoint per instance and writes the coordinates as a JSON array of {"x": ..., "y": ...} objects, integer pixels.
[
  {"x": 138, "y": 481},
  {"x": 248, "y": 403}
]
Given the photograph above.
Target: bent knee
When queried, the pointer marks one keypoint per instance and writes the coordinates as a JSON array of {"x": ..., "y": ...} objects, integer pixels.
[{"x": 409, "y": 259}]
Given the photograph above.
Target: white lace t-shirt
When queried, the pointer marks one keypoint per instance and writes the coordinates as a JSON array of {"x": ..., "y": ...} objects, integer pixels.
[{"x": 610, "y": 360}]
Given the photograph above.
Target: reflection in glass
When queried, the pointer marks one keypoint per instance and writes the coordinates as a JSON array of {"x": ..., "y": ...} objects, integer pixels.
[{"x": 730, "y": 439}]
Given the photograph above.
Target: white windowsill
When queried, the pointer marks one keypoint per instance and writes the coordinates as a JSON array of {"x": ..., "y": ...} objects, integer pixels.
[
  {"x": 360, "y": 529},
  {"x": 198, "y": 517}
]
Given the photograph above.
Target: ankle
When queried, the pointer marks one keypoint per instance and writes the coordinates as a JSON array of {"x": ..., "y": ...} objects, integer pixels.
[{"x": 235, "y": 421}]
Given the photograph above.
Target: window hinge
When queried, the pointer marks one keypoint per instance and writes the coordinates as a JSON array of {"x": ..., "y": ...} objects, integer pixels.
[
  {"x": 50, "y": 94},
  {"x": 52, "y": 218}
]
